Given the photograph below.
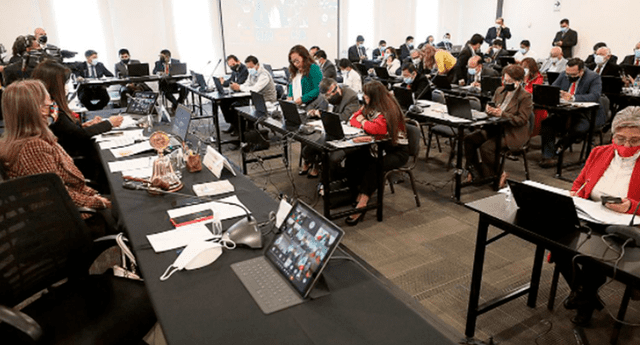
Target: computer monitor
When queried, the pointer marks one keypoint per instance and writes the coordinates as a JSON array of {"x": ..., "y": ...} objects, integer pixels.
[{"x": 546, "y": 95}]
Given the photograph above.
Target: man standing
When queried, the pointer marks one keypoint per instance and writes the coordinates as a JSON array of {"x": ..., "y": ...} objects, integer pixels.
[
  {"x": 168, "y": 88},
  {"x": 498, "y": 31},
  {"x": 327, "y": 67},
  {"x": 357, "y": 52},
  {"x": 555, "y": 63},
  {"x": 92, "y": 69},
  {"x": 405, "y": 49},
  {"x": 467, "y": 52},
  {"x": 566, "y": 39}
]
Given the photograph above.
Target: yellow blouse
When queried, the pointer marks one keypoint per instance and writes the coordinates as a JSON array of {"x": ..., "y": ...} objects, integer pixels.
[{"x": 444, "y": 60}]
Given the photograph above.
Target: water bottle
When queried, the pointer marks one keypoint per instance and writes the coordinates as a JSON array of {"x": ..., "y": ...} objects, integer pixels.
[{"x": 636, "y": 85}]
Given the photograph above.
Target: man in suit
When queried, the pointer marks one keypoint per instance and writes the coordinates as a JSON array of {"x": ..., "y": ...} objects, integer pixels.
[
  {"x": 566, "y": 39},
  {"x": 327, "y": 67},
  {"x": 495, "y": 52},
  {"x": 555, "y": 63},
  {"x": 122, "y": 71},
  {"x": 416, "y": 82},
  {"x": 92, "y": 69},
  {"x": 603, "y": 64},
  {"x": 378, "y": 53},
  {"x": 239, "y": 75},
  {"x": 467, "y": 52},
  {"x": 405, "y": 49},
  {"x": 313, "y": 50},
  {"x": 577, "y": 84},
  {"x": 590, "y": 63},
  {"x": 476, "y": 71},
  {"x": 498, "y": 31},
  {"x": 633, "y": 59},
  {"x": 357, "y": 52},
  {"x": 168, "y": 88},
  {"x": 445, "y": 43}
]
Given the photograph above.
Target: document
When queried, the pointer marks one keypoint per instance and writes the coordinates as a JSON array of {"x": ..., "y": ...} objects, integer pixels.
[
  {"x": 213, "y": 188},
  {"x": 132, "y": 164},
  {"x": 132, "y": 149},
  {"x": 179, "y": 237},
  {"x": 220, "y": 211},
  {"x": 116, "y": 134}
]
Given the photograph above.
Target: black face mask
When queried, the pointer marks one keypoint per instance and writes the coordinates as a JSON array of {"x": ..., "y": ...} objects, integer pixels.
[
  {"x": 509, "y": 87},
  {"x": 125, "y": 61},
  {"x": 573, "y": 79},
  {"x": 335, "y": 99},
  {"x": 42, "y": 39}
]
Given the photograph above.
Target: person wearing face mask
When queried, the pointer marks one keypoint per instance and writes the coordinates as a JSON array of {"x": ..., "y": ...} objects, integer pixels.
[
  {"x": 391, "y": 62},
  {"x": 415, "y": 57},
  {"x": 499, "y": 30},
  {"x": 430, "y": 40},
  {"x": 494, "y": 52},
  {"x": 476, "y": 70},
  {"x": 418, "y": 83},
  {"x": 603, "y": 65},
  {"x": 92, "y": 69},
  {"x": 589, "y": 62},
  {"x": 577, "y": 84},
  {"x": 471, "y": 49},
  {"x": 532, "y": 76},
  {"x": 445, "y": 43},
  {"x": 512, "y": 102},
  {"x": 239, "y": 75},
  {"x": 51, "y": 51},
  {"x": 611, "y": 170},
  {"x": 405, "y": 49},
  {"x": 633, "y": 59},
  {"x": 566, "y": 39},
  {"x": 357, "y": 52},
  {"x": 438, "y": 61},
  {"x": 555, "y": 63},
  {"x": 350, "y": 76},
  {"x": 327, "y": 67},
  {"x": 168, "y": 88},
  {"x": 524, "y": 52},
  {"x": 122, "y": 71},
  {"x": 378, "y": 53}
]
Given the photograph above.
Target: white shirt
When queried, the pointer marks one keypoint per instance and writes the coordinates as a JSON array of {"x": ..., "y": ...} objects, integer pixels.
[
  {"x": 530, "y": 53},
  {"x": 353, "y": 80},
  {"x": 261, "y": 83},
  {"x": 558, "y": 67},
  {"x": 391, "y": 69},
  {"x": 296, "y": 83},
  {"x": 615, "y": 180}
]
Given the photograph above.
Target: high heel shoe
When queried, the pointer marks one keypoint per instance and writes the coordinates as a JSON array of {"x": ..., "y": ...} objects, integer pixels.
[{"x": 354, "y": 221}]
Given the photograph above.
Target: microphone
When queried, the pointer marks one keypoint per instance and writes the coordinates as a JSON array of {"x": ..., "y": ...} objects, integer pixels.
[
  {"x": 215, "y": 68},
  {"x": 627, "y": 232},
  {"x": 414, "y": 108}
]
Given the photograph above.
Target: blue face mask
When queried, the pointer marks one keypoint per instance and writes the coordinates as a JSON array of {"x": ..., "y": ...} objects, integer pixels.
[
  {"x": 472, "y": 71},
  {"x": 637, "y": 52},
  {"x": 408, "y": 80},
  {"x": 523, "y": 50},
  {"x": 564, "y": 29},
  {"x": 253, "y": 71}
]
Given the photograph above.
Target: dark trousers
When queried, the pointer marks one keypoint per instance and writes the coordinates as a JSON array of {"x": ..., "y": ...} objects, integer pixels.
[
  {"x": 362, "y": 171},
  {"x": 575, "y": 127},
  {"x": 169, "y": 88},
  {"x": 483, "y": 140},
  {"x": 88, "y": 94},
  {"x": 228, "y": 108},
  {"x": 580, "y": 279}
]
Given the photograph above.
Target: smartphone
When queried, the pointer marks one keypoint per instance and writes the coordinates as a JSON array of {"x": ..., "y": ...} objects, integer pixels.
[
  {"x": 491, "y": 104},
  {"x": 611, "y": 200}
]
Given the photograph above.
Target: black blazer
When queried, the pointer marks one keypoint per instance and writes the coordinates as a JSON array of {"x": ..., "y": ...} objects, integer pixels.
[
  {"x": 492, "y": 35},
  {"x": 353, "y": 53},
  {"x": 628, "y": 60},
  {"x": 101, "y": 71},
  {"x": 405, "y": 51},
  {"x": 569, "y": 39},
  {"x": 610, "y": 69},
  {"x": 376, "y": 53},
  {"x": 329, "y": 70},
  {"x": 461, "y": 65},
  {"x": 159, "y": 67},
  {"x": 590, "y": 62},
  {"x": 239, "y": 76},
  {"x": 420, "y": 87},
  {"x": 74, "y": 138}
]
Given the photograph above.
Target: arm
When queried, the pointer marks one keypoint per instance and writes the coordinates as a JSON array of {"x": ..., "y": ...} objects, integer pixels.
[
  {"x": 315, "y": 77},
  {"x": 234, "y": 76},
  {"x": 593, "y": 95},
  {"x": 98, "y": 128},
  {"x": 243, "y": 74},
  {"x": 571, "y": 39},
  {"x": 505, "y": 33},
  {"x": 261, "y": 83},
  {"x": 106, "y": 72},
  {"x": 351, "y": 108}
]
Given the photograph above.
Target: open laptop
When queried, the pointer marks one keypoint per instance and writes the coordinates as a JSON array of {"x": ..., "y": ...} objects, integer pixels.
[
  {"x": 552, "y": 76},
  {"x": 138, "y": 69},
  {"x": 199, "y": 81},
  {"x": 382, "y": 73},
  {"x": 506, "y": 60},
  {"x": 546, "y": 95},
  {"x": 261, "y": 106},
  {"x": 142, "y": 103},
  {"x": 612, "y": 85},
  {"x": 459, "y": 107},
  {"x": 178, "y": 69},
  {"x": 404, "y": 96},
  {"x": 538, "y": 206},
  {"x": 441, "y": 82},
  {"x": 181, "y": 121},
  {"x": 631, "y": 70},
  {"x": 221, "y": 90},
  {"x": 332, "y": 126},
  {"x": 291, "y": 115},
  {"x": 489, "y": 85},
  {"x": 361, "y": 68},
  {"x": 293, "y": 262}
]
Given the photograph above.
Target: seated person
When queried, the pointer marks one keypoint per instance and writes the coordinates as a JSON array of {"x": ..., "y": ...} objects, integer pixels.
[
  {"x": 122, "y": 71},
  {"x": 75, "y": 138},
  {"x": 476, "y": 70},
  {"x": 339, "y": 99},
  {"x": 445, "y": 43},
  {"x": 168, "y": 88},
  {"x": 92, "y": 69},
  {"x": 390, "y": 62},
  {"x": 381, "y": 117},
  {"x": 28, "y": 147},
  {"x": 603, "y": 64},
  {"x": 590, "y": 61},
  {"x": 532, "y": 76},
  {"x": 577, "y": 84},
  {"x": 495, "y": 52},
  {"x": 239, "y": 75},
  {"x": 512, "y": 102},
  {"x": 350, "y": 76},
  {"x": 327, "y": 67},
  {"x": 633, "y": 59},
  {"x": 416, "y": 82},
  {"x": 305, "y": 78},
  {"x": 378, "y": 53},
  {"x": 472, "y": 48},
  {"x": 433, "y": 58},
  {"x": 405, "y": 49},
  {"x": 611, "y": 170},
  {"x": 555, "y": 63},
  {"x": 524, "y": 52}
]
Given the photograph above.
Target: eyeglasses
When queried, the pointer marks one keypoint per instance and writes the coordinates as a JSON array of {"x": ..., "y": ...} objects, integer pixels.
[
  {"x": 620, "y": 140},
  {"x": 296, "y": 61},
  {"x": 331, "y": 92}
]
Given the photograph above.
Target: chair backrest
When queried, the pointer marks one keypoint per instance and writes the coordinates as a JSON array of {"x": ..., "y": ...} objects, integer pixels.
[
  {"x": 475, "y": 103},
  {"x": 413, "y": 135},
  {"x": 438, "y": 96},
  {"x": 42, "y": 237},
  {"x": 605, "y": 103},
  {"x": 3, "y": 173}
]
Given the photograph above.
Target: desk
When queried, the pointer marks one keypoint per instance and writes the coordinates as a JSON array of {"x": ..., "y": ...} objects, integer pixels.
[
  {"x": 215, "y": 97},
  {"x": 465, "y": 91},
  {"x": 437, "y": 113},
  {"x": 248, "y": 113},
  {"x": 123, "y": 81},
  {"x": 210, "y": 305},
  {"x": 502, "y": 213}
]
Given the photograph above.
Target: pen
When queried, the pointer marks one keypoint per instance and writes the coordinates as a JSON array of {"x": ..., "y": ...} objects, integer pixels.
[{"x": 584, "y": 184}]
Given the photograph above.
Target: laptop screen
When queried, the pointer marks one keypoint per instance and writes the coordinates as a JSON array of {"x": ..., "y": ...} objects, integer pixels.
[
  {"x": 181, "y": 122},
  {"x": 302, "y": 249},
  {"x": 138, "y": 69},
  {"x": 258, "y": 102},
  {"x": 142, "y": 103}
]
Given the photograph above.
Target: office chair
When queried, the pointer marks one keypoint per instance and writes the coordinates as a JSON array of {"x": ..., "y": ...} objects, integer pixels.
[
  {"x": 44, "y": 241},
  {"x": 599, "y": 130},
  {"x": 518, "y": 151},
  {"x": 436, "y": 96},
  {"x": 413, "y": 134}
]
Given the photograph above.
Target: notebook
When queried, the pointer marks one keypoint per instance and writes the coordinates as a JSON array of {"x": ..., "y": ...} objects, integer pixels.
[
  {"x": 178, "y": 69},
  {"x": 332, "y": 126},
  {"x": 546, "y": 95},
  {"x": 181, "y": 121},
  {"x": 293, "y": 262},
  {"x": 138, "y": 69}
]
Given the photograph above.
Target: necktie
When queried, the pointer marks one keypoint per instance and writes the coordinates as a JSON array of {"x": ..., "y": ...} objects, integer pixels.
[
  {"x": 92, "y": 72},
  {"x": 637, "y": 62},
  {"x": 572, "y": 89},
  {"x": 166, "y": 68},
  {"x": 599, "y": 69}
]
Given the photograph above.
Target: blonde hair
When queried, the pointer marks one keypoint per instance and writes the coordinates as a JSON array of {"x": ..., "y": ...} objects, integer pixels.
[{"x": 23, "y": 121}]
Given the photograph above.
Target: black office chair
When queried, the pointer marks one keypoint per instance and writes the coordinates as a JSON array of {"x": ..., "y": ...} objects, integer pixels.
[
  {"x": 599, "y": 130},
  {"x": 44, "y": 241},
  {"x": 519, "y": 151},
  {"x": 413, "y": 135}
]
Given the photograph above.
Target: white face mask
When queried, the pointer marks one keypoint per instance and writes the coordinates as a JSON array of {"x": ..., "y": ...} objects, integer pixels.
[
  {"x": 193, "y": 256},
  {"x": 94, "y": 62},
  {"x": 599, "y": 59}
]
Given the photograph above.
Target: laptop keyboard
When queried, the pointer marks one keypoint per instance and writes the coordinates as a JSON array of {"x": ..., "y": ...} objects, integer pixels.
[{"x": 267, "y": 287}]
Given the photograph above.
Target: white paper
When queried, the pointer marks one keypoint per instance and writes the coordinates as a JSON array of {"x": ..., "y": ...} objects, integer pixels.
[
  {"x": 220, "y": 211},
  {"x": 132, "y": 149},
  {"x": 213, "y": 188},
  {"x": 143, "y": 173},
  {"x": 128, "y": 122},
  {"x": 179, "y": 237},
  {"x": 214, "y": 161},
  {"x": 120, "y": 141},
  {"x": 132, "y": 164},
  {"x": 283, "y": 211},
  {"x": 134, "y": 133}
]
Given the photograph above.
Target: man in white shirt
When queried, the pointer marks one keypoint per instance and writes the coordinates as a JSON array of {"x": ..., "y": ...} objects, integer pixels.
[
  {"x": 259, "y": 80},
  {"x": 350, "y": 77},
  {"x": 525, "y": 52},
  {"x": 555, "y": 63}
]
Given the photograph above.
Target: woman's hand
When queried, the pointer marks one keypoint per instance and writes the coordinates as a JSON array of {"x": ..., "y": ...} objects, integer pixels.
[
  {"x": 360, "y": 118},
  {"x": 92, "y": 122},
  {"x": 116, "y": 121},
  {"x": 298, "y": 101},
  {"x": 620, "y": 208},
  {"x": 572, "y": 193},
  {"x": 493, "y": 111}
]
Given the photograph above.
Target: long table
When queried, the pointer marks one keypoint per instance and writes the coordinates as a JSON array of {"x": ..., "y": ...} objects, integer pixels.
[{"x": 210, "y": 305}]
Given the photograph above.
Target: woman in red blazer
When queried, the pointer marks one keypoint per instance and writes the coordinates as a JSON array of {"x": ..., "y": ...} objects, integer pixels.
[
  {"x": 612, "y": 170},
  {"x": 533, "y": 77}
]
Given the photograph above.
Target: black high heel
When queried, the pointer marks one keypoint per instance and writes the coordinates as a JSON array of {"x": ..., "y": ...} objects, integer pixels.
[{"x": 354, "y": 221}]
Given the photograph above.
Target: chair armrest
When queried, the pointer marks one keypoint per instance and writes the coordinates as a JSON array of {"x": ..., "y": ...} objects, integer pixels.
[
  {"x": 21, "y": 321},
  {"x": 86, "y": 210}
]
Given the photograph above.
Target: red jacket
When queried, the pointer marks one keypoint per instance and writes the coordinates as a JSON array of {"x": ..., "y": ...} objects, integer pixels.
[{"x": 597, "y": 163}]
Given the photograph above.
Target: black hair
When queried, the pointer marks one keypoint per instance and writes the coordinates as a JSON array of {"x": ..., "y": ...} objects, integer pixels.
[
  {"x": 382, "y": 42},
  {"x": 409, "y": 66},
  {"x": 123, "y": 51},
  {"x": 497, "y": 42},
  {"x": 235, "y": 58},
  {"x": 344, "y": 63},
  {"x": 564, "y": 21},
  {"x": 476, "y": 39},
  {"x": 315, "y": 47},
  {"x": 165, "y": 52},
  {"x": 320, "y": 54},
  {"x": 526, "y": 43},
  {"x": 252, "y": 59},
  {"x": 599, "y": 45},
  {"x": 409, "y": 38},
  {"x": 576, "y": 62}
]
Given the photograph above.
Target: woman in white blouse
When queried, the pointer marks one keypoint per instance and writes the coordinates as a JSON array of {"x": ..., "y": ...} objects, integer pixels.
[{"x": 350, "y": 76}]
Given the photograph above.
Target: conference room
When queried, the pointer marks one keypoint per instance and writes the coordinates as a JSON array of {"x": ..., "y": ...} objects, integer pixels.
[{"x": 410, "y": 172}]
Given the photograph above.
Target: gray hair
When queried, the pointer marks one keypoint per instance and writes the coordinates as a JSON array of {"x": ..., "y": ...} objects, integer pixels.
[
  {"x": 627, "y": 117},
  {"x": 326, "y": 84},
  {"x": 414, "y": 51}
]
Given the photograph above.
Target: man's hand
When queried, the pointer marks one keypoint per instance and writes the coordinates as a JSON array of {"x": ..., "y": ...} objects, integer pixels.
[
  {"x": 116, "y": 121},
  {"x": 235, "y": 87},
  {"x": 313, "y": 113},
  {"x": 565, "y": 95}
]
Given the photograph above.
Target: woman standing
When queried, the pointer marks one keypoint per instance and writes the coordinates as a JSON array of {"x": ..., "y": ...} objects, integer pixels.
[
  {"x": 438, "y": 58},
  {"x": 306, "y": 76}
]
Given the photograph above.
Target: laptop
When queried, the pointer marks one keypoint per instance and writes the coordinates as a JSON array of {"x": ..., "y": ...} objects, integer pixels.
[
  {"x": 221, "y": 90},
  {"x": 456, "y": 49},
  {"x": 552, "y": 76},
  {"x": 459, "y": 107},
  {"x": 181, "y": 121},
  {"x": 332, "y": 126},
  {"x": 546, "y": 95},
  {"x": 506, "y": 60},
  {"x": 538, "y": 206},
  {"x": 361, "y": 68},
  {"x": 293, "y": 262},
  {"x": 199, "y": 81},
  {"x": 631, "y": 70},
  {"x": 291, "y": 115},
  {"x": 142, "y": 103},
  {"x": 612, "y": 85},
  {"x": 441, "y": 82},
  {"x": 258, "y": 102},
  {"x": 404, "y": 96},
  {"x": 178, "y": 69},
  {"x": 382, "y": 73},
  {"x": 138, "y": 69},
  {"x": 489, "y": 85}
]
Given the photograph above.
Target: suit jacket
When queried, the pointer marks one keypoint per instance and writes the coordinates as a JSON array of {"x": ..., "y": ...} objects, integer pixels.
[
  {"x": 353, "y": 53},
  {"x": 101, "y": 71},
  {"x": 589, "y": 89},
  {"x": 492, "y": 35},
  {"x": 569, "y": 39},
  {"x": 495, "y": 56},
  {"x": 610, "y": 69},
  {"x": 420, "y": 87},
  {"x": 486, "y": 72},
  {"x": 629, "y": 60},
  {"x": 348, "y": 105},
  {"x": 461, "y": 63},
  {"x": 329, "y": 70},
  {"x": 599, "y": 160},
  {"x": 122, "y": 70},
  {"x": 376, "y": 53},
  {"x": 445, "y": 45},
  {"x": 519, "y": 110},
  {"x": 405, "y": 51},
  {"x": 238, "y": 76},
  {"x": 159, "y": 67},
  {"x": 590, "y": 62}
]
